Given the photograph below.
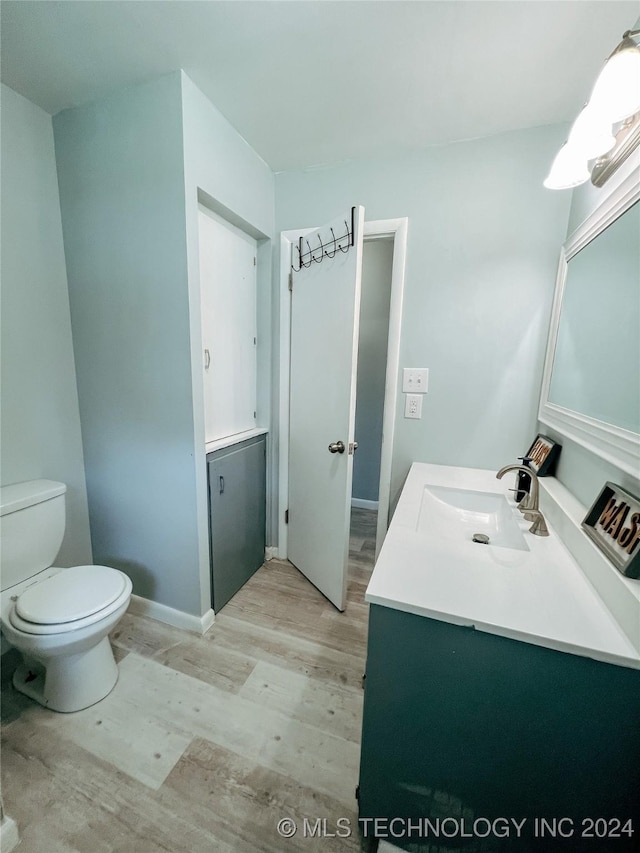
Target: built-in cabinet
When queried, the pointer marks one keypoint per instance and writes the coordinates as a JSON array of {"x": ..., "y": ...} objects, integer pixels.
[
  {"x": 463, "y": 724},
  {"x": 237, "y": 510},
  {"x": 229, "y": 325},
  {"x": 236, "y": 467}
]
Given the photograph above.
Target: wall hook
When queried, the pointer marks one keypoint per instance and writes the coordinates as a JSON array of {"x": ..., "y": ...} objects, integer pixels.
[
  {"x": 348, "y": 236},
  {"x": 319, "y": 260},
  {"x": 302, "y": 254},
  {"x": 335, "y": 247},
  {"x": 299, "y": 251}
]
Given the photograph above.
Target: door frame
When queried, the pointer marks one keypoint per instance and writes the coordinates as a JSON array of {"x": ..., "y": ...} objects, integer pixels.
[{"x": 396, "y": 229}]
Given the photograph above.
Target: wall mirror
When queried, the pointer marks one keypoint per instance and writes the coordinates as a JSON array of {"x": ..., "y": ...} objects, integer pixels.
[{"x": 591, "y": 382}]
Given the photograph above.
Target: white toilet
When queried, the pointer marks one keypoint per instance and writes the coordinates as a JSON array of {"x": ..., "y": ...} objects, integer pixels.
[{"x": 58, "y": 618}]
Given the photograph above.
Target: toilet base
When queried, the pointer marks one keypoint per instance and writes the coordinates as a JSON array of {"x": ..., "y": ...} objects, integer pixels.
[{"x": 69, "y": 683}]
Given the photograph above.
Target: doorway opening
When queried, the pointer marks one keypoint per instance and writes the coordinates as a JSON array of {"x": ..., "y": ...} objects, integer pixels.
[
  {"x": 395, "y": 231},
  {"x": 375, "y": 303}
]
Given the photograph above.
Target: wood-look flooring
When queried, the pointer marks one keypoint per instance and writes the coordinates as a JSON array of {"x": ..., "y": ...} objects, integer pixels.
[{"x": 206, "y": 742}]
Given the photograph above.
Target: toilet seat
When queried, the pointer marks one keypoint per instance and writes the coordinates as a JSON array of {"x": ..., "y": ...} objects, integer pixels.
[{"x": 70, "y": 600}]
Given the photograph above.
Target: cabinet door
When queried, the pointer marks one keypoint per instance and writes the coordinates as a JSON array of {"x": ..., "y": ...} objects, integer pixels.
[
  {"x": 228, "y": 314},
  {"x": 237, "y": 496}
]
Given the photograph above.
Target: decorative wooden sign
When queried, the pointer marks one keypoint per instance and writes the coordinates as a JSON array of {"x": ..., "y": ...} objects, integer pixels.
[
  {"x": 543, "y": 454},
  {"x": 613, "y": 522}
]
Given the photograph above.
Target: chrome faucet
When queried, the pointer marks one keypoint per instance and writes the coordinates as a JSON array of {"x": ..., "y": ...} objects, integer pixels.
[{"x": 529, "y": 506}]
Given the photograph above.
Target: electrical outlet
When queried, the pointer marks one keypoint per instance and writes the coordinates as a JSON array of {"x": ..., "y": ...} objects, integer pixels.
[
  {"x": 413, "y": 406},
  {"x": 415, "y": 380}
]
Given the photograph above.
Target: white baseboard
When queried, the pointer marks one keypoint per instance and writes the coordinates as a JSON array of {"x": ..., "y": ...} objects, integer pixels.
[
  {"x": 207, "y": 621},
  {"x": 360, "y": 503},
  {"x": 9, "y": 837},
  {"x": 178, "y": 618},
  {"x": 270, "y": 553}
]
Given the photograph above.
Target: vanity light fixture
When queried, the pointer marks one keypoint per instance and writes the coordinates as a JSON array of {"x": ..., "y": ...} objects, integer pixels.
[{"x": 608, "y": 128}]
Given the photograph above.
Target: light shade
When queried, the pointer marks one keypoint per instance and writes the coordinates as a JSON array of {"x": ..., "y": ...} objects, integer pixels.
[
  {"x": 590, "y": 137},
  {"x": 616, "y": 94},
  {"x": 569, "y": 169}
]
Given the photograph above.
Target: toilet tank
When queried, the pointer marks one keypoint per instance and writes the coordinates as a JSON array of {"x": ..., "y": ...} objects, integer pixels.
[{"x": 32, "y": 521}]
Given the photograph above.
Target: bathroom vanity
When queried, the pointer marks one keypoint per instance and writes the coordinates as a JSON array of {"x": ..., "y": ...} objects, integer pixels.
[{"x": 499, "y": 682}]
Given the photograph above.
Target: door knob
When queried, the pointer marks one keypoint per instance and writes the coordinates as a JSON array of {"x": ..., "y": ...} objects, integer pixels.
[{"x": 336, "y": 447}]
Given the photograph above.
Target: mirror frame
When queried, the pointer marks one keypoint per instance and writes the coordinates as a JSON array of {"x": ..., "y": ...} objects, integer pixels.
[{"x": 620, "y": 447}]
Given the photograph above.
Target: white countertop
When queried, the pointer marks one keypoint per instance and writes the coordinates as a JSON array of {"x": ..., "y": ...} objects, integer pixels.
[
  {"x": 539, "y": 596},
  {"x": 236, "y": 438}
]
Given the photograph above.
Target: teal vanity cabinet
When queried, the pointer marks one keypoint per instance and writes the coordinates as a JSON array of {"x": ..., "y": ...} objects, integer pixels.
[
  {"x": 237, "y": 501},
  {"x": 464, "y": 724}
]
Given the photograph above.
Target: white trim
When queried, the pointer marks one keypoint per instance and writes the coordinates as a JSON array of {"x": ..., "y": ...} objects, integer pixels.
[
  {"x": 361, "y": 503},
  {"x": 619, "y": 447},
  {"x": 287, "y": 239},
  {"x": 207, "y": 620},
  {"x": 620, "y": 200},
  {"x": 178, "y": 618},
  {"x": 397, "y": 230}
]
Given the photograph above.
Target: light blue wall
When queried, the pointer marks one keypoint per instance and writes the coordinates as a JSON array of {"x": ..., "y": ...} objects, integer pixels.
[
  {"x": 130, "y": 168},
  {"x": 483, "y": 243},
  {"x": 227, "y": 175},
  {"x": 377, "y": 259},
  {"x": 581, "y": 471},
  {"x": 120, "y": 168},
  {"x": 223, "y": 164},
  {"x": 40, "y": 419}
]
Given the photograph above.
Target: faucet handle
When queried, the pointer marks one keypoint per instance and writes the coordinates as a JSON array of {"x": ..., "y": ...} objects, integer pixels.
[
  {"x": 526, "y": 503},
  {"x": 539, "y": 526}
]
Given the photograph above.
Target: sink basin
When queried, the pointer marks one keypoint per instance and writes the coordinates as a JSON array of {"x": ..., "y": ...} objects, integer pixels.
[{"x": 453, "y": 513}]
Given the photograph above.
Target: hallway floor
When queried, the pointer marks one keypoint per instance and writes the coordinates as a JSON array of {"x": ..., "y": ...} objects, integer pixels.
[{"x": 206, "y": 742}]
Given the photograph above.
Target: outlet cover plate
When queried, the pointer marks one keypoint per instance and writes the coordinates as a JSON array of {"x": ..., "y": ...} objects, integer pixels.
[{"x": 413, "y": 406}]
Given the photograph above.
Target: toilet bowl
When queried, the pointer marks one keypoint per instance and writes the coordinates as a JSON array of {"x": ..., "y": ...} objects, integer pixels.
[
  {"x": 60, "y": 623},
  {"x": 57, "y": 618}
]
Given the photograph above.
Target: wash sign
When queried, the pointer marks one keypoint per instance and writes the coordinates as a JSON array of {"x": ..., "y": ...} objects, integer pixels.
[{"x": 613, "y": 522}]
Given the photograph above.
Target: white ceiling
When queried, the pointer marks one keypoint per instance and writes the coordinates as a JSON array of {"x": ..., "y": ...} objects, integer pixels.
[{"x": 322, "y": 81}]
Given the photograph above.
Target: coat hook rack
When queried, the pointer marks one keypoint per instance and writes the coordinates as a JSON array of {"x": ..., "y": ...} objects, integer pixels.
[{"x": 328, "y": 249}]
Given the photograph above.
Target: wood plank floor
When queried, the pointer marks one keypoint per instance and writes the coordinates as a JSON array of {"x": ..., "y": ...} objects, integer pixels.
[{"x": 206, "y": 742}]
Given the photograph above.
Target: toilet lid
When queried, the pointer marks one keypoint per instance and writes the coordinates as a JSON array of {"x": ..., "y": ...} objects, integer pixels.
[{"x": 70, "y": 595}]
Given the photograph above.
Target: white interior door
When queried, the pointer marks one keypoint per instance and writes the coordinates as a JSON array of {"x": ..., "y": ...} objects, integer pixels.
[{"x": 325, "y": 308}]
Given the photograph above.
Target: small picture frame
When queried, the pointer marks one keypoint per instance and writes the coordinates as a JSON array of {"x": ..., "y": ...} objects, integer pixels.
[
  {"x": 613, "y": 523},
  {"x": 543, "y": 454}
]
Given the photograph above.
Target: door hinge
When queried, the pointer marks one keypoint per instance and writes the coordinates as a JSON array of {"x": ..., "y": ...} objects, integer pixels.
[
  {"x": 286, "y": 516},
  {"x": 290, "y": 280},
  {"x": 254, "y": 260},
  {"x": 255, "y": 415},
  {"x": 358, "y": 793},
  {"x": 255, "y": 341}
]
